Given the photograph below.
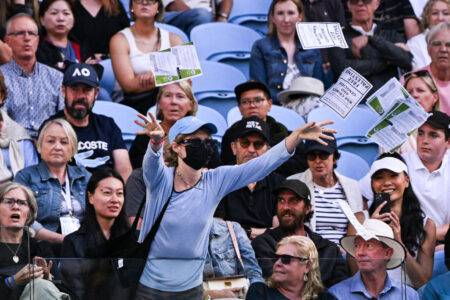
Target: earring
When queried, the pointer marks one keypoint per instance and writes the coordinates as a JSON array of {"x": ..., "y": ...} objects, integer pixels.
[{"x": 305, "y": 277}]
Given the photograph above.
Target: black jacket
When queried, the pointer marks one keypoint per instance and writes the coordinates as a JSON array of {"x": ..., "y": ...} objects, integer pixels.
[
  {"x": 380, "y": 58},
  {"x": 333, "y": 268}
]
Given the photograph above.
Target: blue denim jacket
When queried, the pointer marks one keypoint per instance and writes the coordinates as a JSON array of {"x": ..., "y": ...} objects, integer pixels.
[
  {"x": 268, "y": 64},
  {"x": 222, "y": 260},
  {"x": 47, "y": 191}
]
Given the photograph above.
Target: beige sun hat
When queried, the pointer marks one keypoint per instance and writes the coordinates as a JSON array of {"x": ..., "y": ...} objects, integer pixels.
[
  {"x": 302, "y": 86},
  {"x": 385, "y": 234}
]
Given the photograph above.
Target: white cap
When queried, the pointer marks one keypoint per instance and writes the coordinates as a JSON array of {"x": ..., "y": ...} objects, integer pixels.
[{"x": 388, "y": 163}]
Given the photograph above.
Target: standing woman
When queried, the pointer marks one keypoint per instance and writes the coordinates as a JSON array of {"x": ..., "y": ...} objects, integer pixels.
[
  {"x": 415, "y": 231},
  {"x": 96, "y": 21},
  {"x": 91, "y": 276},
  {"x": 193, "y": 193},
  {"x": 130, "y": 49},
  {"x": 278, "y": 59},
  {"x": 59, "y": 187},
  {"x": 55, "y": 47}
]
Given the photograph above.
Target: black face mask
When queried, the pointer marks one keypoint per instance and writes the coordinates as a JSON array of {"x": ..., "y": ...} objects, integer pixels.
[{"x": 198, "y": 152}]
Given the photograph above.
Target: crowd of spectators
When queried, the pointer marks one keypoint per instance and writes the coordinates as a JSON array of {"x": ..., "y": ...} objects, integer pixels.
[{"x": 264, "y": 211}]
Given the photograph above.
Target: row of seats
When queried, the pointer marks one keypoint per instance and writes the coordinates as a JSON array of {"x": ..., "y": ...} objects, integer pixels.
[{"x": 357, "y": 152}]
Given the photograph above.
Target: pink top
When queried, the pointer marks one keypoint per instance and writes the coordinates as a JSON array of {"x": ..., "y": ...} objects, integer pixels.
[{"x": 443, "y": 91}]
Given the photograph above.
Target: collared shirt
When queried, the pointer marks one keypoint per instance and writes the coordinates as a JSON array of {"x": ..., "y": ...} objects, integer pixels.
[
  {"x": 32, "y": 98},
  {"x": 354, "y": 288},
  {"x": 432, "y": 189}
]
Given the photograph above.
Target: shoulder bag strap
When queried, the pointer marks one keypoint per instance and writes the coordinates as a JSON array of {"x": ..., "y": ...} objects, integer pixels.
[{"x": 235, "y": 243}]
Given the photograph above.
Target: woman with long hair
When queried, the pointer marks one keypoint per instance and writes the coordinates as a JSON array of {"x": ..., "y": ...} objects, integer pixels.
[
  {"x": 91, "y": 276},
  {"x": 96, "y": 21},
  {"x": 191, "y": 193},
  {"x": 415, "y": 231},
  {"x": 296, "y": 273},
  {"x": 130, "y": 49},
  {"x": 278, "y": 59}
]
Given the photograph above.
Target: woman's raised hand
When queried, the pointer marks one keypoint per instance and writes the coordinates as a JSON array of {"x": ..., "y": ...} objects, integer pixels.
[
  {"x": 316, "y": 131},
  {"x": 151, "y": 128}
]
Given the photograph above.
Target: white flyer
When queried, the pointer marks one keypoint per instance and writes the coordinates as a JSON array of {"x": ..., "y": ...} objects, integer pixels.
[
  {"x": 383, "y": 99},
  {"x": 318, "y": 35},
  {"x": 175, "y": 64},
  {"x": 361, "y": 230},
  {"x": 347, "y": 92}
]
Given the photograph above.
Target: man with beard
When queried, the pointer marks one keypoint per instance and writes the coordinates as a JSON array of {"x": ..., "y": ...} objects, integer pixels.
[
  {"x": 293, "y": 209},
  {"x": 99, "y": 138}
]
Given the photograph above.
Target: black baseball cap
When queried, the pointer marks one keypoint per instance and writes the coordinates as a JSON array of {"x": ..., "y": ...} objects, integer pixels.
[
  {"x": 296, "y": 186},
  {"x": 316, "y": 146},
  {"x": 250, "y": 85},
  {"x": 250, "y": 125},
  {"x": 439, "y": 120},
  {"x": 80, "y": 73}
]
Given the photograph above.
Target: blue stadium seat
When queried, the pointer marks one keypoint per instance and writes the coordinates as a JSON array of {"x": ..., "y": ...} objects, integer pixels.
[
  {"x": 352, "y": 165},
  {"x": 103, "y": 95},
  {"x": 207, "y": 114},
  {"x": 352, "y": 130},
  {"x": 225, "y": 42},
  {"x": 285, "y": 116},
  {"x": 175, "y": 30},
  {"x": 108, "y": 80},
  {"x": 123, "y": 115},
  {"x": 250, "y": 13},
  {"x": 126, "y": 5},
  {"x": 215, "y": 87}
]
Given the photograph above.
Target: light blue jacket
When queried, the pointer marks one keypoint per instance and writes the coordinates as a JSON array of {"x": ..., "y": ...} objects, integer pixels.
[
  {"x": 177, "y": 254},
  {"x": 222, "y": 260},
  {"x": 47, "y": 191}
]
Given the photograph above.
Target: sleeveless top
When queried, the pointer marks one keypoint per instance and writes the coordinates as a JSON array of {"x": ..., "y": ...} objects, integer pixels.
[{"x": 140, "y": 61}]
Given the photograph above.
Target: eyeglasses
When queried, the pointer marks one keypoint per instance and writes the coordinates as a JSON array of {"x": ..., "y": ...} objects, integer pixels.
[
  {"x": 439, "y": 44},
  {"x": 145, "y": 2},
  {"x": 257, "y": 101},
  {"x": 354, "y": 2},
  {"x": 313, "y": 155},
  {"x": 286, "y": 259},
  {"x": 22, "y": 33},
  {"x": 11, "y": 201},
  {"x": 245, "y": 143}
]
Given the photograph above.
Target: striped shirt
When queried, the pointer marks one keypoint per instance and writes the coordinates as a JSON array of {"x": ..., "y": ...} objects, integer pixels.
[{"x": 331, "y": 222}]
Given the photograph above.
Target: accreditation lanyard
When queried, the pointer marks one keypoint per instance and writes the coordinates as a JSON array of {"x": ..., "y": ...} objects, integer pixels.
[{"x": 69, "y": 223}]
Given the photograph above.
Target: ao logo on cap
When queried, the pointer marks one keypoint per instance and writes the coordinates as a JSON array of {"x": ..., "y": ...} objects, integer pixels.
[
  {"x": 253, "y": 124},
  {"x": 83, "y": 72}
]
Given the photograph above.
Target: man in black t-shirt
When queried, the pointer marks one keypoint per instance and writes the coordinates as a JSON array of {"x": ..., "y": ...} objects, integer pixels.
[
  {"x": 253, "y": 206},
  {"x": 99, "y": 138}
]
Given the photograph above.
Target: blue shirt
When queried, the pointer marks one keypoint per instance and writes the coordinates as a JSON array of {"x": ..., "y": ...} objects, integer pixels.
[
  {"x": 438, "y": 288},
  {"x": 32, "y": 98},
  {"x": 353, "y": 288},
  {"x": 177, "y": 254},
  {"x": 222, "y": 260}
]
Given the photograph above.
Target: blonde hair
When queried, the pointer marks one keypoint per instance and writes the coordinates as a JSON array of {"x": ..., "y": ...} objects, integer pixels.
[
  {"x": 426, "y": 13},
  {"x": 111, "y": 7},
  {"x": 186, "y": 87},
  {"x": 170, "y": 156},
  {"x": 9, "y": 186},
  {"x": 272, "y": 30},
  {"x": 305, "y": 247},
  {"x": 71, "y": 135}
]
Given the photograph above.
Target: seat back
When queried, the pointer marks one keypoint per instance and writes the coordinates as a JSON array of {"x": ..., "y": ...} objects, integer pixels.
[
  {"x": 225, "y": 42},
  {"x": 173, "y": 29},
  {"x": 351, "y": 165},
  {"x": 251, "y": 14},
  {"x": 108, "y": 80}
]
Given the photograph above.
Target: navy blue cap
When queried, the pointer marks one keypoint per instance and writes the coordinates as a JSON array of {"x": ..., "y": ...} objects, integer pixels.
[{"x": 80, "y": 73}]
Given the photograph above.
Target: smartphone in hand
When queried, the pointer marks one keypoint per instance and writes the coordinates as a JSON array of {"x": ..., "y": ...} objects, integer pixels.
[{"x": 379, "y": 199}]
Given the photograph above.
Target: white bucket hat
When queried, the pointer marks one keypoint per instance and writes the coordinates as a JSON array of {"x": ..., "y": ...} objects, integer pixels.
[
  {"x": 385, "y": 234},
  {"x": 302, "y": 85}
]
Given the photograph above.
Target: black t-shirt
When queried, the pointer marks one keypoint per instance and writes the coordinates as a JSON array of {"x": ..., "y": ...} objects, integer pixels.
[
  {"x": 260, "y": 291},
  {"x": 94, "y": 33},
  {"x": 252, "y": 209},
  {"x": 97, "y": 141}
]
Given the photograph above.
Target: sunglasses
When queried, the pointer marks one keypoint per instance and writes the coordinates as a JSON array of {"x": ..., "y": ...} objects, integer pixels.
[
  {"x": 354, "y": 2},
  {"x": 424, "y": 74},
  {"x": 257, "y": 145},
  {"x": 286, "y": 259},
  {"x": 197, "y": 142},
  {"x": 313, "y": 155}
]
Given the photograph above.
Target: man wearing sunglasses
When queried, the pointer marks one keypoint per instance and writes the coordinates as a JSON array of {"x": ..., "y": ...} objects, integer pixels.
[
  {"x": 253, "y": 206},
  {"x": 374, "y": 52},
  {"x": 34, "y": 89},
  {"x": 293, "y": 210},
  {"x": 253, "y": 99}
]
